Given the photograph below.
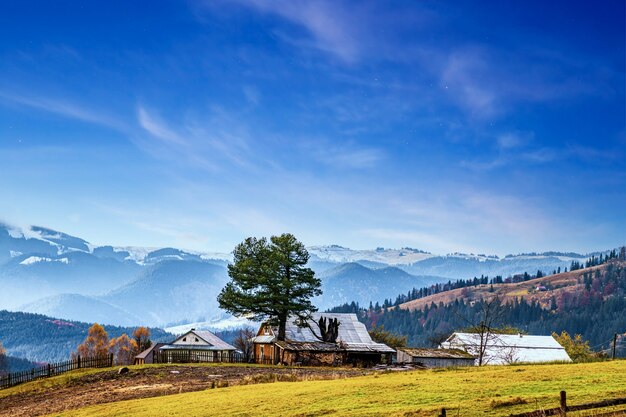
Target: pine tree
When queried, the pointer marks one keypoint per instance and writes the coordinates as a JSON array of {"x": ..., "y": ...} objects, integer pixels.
[{"x": 270, "y": 282}]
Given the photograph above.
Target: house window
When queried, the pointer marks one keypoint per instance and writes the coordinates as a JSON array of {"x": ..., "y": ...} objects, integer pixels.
[
  {"x": 262, "y": 352},
  {"x": 197, "y": 339},
  {"x": 266, "y": 330},
  {"x": 184, "y": 339}
]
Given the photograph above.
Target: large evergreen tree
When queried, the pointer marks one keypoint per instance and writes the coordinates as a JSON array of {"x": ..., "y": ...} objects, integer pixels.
[{"x": 270, "y": 281}]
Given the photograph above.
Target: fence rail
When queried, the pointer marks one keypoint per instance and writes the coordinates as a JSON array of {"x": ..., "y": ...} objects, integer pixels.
[
  {"x": 52, "y": 369},
  {"x": 564, "y": 408},
  {"x": 195, "y": 356}
]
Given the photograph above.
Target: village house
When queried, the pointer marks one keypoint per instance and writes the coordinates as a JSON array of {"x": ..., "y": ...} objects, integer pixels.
[
  {"x": 309, "y": 343},
  {"x": 503, "y": 349},
  {"x": 434, "y": 358},
  {"x": 193, "y": 346}
]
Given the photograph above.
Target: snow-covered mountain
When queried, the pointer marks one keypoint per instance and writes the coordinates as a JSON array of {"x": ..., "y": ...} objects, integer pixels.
[
  {"x": 381, "y": 256},
  {"x": 53, "y": 273}
]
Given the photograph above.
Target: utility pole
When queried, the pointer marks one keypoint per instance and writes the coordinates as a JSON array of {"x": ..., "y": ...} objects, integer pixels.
[{"x": 614, "y": 343}]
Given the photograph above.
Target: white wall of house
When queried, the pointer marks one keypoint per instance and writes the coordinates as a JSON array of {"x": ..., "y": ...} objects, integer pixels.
[{"x": 190, "y": 338}]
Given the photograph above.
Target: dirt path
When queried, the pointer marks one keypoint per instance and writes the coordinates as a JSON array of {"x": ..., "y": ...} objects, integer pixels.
[{"x": 109, "y": 386}]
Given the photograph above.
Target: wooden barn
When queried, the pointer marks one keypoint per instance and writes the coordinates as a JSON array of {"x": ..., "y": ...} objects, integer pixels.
[
  {"x": 193, "y": 346},
  {"x": 434, "y": 358},
  {"x": 325, "y": 339},
  {"x": 502, "y": 349}
]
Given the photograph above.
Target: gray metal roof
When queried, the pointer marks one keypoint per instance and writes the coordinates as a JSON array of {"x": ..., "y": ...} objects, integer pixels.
[
  {"x": 191, "y": 347},
  {"x": 145, "y": 353},
  {"x": 310, "y": 346},
  {"x": 353, "y": 335},
  {"x": 210, "y": 338},
  {"x": 437, "y": 353},
  {"x": 263, "y": 339}
]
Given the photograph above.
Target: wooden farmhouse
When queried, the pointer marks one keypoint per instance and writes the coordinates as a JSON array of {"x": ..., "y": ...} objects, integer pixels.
[
  {"x": 501, "y": 349},
  {"x": 434, "y": 358},
  {"x": 193, "y": 346},
  {"x": 327, "y": 339}
]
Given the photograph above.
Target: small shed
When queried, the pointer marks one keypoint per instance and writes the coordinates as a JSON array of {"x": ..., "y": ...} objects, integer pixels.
[
  {"x": 263, "y": 342},
  {"x": 146, "y": 356},
  {"x": 501, "y": 349},
  {"x": 435, "y": 358}
]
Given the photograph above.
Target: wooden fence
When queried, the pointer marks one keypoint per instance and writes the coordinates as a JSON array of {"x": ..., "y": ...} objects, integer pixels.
[
  {"x": 52, "y": 369},
  {"x": 562, "y": 409},
  {"x": 195, "y": 356},
  {"x": 208, "y": 356}
]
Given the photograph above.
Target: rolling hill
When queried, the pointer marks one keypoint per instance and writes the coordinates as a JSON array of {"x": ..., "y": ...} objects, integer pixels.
[
  {"x": 589, "y": 301},
  {"x": 557, "y": 285},
  {"x": 40, "y": 338},
  {"x": 84, "y": 308},
  {"x": 355, "y": 282},
  {"x": 171, "y": 290}
]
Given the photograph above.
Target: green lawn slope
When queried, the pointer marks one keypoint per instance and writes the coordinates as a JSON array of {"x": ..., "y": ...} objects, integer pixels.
[{"x": 487, "y": 391}]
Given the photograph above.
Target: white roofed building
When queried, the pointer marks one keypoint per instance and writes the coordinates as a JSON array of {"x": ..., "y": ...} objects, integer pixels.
[
  {"x": 503, "y": 349},
  {"x": 194, "y": 346}
]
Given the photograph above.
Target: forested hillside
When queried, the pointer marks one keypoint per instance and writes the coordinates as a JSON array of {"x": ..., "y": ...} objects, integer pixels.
[
  {"x": 594, "y": 305},
  {"x": 40, "y": 338}
]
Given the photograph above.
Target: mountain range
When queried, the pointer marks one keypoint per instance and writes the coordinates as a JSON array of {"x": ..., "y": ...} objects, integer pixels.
[{"x": 49, "y": 272}]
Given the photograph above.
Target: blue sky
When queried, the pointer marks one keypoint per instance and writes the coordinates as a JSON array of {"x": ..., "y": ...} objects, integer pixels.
[{"x": 448, "y": 126}]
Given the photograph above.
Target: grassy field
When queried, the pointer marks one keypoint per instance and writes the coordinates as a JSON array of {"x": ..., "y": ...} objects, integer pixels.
[{"x": 488, "y": 391}]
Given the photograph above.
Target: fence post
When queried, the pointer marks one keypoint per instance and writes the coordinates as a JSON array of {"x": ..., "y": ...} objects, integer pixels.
[
  {"x": 563, "y": 403},
  {"x": 49, "y": 370},
  {"x": 110, "y": 359},
  {"x": 78, "y": 359}
]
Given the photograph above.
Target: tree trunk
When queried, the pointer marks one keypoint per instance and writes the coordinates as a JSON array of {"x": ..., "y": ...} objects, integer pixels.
[{"x": 282, "y": 324}]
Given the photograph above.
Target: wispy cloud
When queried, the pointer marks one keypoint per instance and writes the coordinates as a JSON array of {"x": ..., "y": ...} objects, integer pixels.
[
  {"x": 511, "y": 140},
  {"x": 465, "y": 220},
  {"x": 157, "y": 128},
  {"x": 344, "y": 156},
  {"x": 487, "y": 81},
  {"x": 465, "y": 78},
  {"x": 208, "y": 143},
  {"x": 329, "y": 24},
  {"x": 63, "y": 108}
]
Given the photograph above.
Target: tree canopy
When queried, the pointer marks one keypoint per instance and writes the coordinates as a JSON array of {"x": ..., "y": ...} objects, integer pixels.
[
  {"x": 3, "y": 358},
  {"x": 141, "y": 336},
  {"x": 576, "y": 347},
  {"x": 96, "y": 343},
  {"x": 270, "y": 281},
  {"x": 380, "y": 335}
]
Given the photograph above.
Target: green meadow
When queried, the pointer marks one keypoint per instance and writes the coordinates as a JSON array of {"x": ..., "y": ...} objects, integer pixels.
[{"x": 486, "y": 391}]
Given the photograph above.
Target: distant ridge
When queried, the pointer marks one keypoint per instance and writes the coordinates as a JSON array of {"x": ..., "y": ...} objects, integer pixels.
[{"x": 47, "y": 271}]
